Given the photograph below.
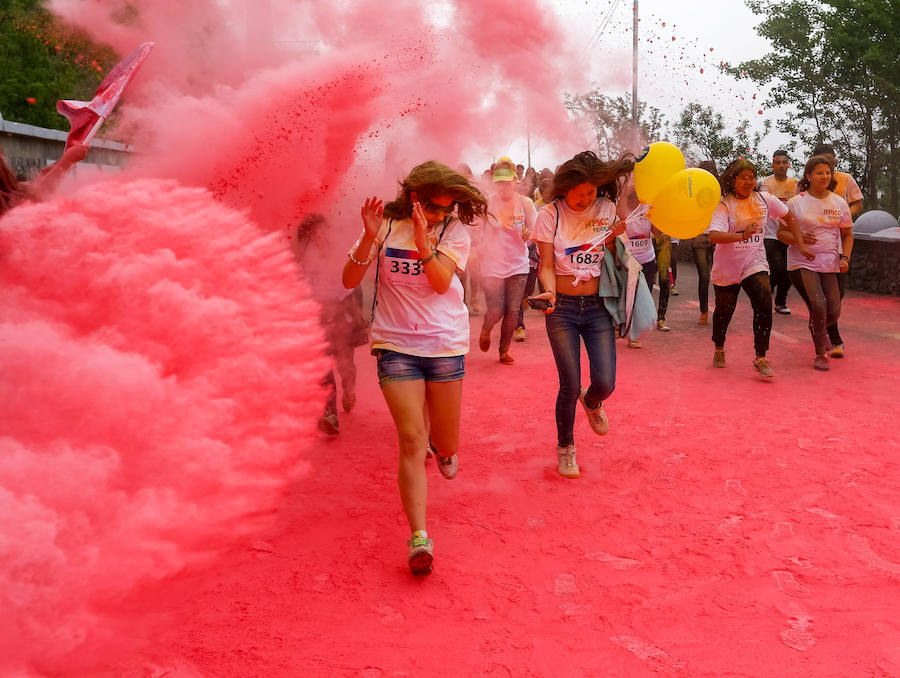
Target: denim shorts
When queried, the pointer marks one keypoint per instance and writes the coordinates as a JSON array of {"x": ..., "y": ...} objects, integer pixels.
[{"x": 394, "y": 367}]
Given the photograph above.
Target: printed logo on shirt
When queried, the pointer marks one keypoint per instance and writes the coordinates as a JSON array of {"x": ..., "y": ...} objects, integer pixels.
[
  {"x": 599, "y": 225},
  {"x": 832, "y": 213}
]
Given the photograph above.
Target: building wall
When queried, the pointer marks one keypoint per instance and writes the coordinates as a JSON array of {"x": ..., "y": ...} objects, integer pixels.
[{"x": 27, "y": 149}]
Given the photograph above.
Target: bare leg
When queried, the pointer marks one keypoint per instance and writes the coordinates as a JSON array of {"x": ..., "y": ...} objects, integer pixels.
[
  {"x": 444, "y": 399},
  {"x": 406, "y": 402}
]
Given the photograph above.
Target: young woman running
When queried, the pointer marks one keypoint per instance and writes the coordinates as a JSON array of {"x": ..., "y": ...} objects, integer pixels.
[
  {"x": 824, "y": 218},
  {"x": 737, "y": 229},
  {"x": 504, "y": 257},
  {"x": 420, "y": 325},
  {"x": 582, "y": 213}
]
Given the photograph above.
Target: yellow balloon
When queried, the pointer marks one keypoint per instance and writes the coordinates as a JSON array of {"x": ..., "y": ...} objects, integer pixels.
[
  {"x": 654, "y": 167},
  {"x": 683, "y": 207}
]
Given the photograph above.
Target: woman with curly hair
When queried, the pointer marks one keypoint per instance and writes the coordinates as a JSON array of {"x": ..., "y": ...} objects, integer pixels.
[
  {"x": 572, "y": 234},
  {"x": 420, "y": 325},
  {"x": 737, "y": 229}
]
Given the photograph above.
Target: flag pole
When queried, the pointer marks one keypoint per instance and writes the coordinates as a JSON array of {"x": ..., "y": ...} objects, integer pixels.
[{"x": 90, "y": 136}]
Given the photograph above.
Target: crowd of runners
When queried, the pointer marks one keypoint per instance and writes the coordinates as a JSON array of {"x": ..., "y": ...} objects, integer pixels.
[{"x": 565, "y": 242}]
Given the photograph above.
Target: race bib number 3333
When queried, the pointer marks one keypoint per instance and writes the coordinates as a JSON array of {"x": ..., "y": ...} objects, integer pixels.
[{"x": 403, "y": 267}]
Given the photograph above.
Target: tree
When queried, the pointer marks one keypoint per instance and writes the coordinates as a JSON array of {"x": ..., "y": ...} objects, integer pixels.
[
  {"x": 611, "y": 122},
  {"x": 834, "y": 63},
  {"x": 700, "y": 132},
  {"x": 43, "y": 61}
]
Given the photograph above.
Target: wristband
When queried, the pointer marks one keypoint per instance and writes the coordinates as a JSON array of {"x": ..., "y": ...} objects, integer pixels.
[
  {"x": 844, "y": 256},
  {"x": 428, "y": 258},
  {"x": 358, "y": 262}
]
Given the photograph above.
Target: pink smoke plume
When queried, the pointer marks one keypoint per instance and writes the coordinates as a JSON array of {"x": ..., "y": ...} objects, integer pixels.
[
  {"x": 161, "y": 357},
  {"x": 156, "y": 398}
]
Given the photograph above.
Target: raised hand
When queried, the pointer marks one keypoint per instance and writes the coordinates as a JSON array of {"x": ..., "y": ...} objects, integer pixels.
[
  {"x": 420, "y": 226},
  {"x": 372, "y": 214}
]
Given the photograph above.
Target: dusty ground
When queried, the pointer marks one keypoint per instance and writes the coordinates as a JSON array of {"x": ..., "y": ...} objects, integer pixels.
[{"x": 725, "y": 527}]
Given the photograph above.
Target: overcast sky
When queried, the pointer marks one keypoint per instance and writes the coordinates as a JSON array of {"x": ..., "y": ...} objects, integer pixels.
[{"x": 706, "y": 33}]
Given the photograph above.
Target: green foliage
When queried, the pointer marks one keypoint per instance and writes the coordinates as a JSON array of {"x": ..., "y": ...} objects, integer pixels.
[
  {"x": 834, "y": 63},
  {"x": 44, "y": 61},
  {"x": 611, "y": 122},
  {"x": 701, "y": 134}
]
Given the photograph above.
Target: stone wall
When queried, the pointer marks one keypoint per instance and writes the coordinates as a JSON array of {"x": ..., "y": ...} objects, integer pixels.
[
  {"x": 28, "y": 149},
  {"x": 875, "y": 265}
]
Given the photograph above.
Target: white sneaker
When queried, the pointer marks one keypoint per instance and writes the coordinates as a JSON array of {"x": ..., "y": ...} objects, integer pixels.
[
  {"x": 567, "y": 466},
  {"x": 596, "y": 416}
]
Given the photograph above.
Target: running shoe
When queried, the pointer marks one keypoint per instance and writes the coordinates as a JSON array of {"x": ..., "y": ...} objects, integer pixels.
[
  {"x": 596, "y": 416},
  {"x": 719, "y": 357},
  {"x": 703, "y": 319},
  {"x": 762, "y": 366},
  {"x": 506, "y": 359},
  {"x": 484, "y": 341},
  {"x": 448, "y": 466},
  {"x": 783, "y": 310},
  {"x": 634, "y": 343},
  {"x": 421, "y": 554},
  {"x": 837, "y": 351},
  {"x": 519, "y": 334},
  {"x": 662, "y": 327},
  {"x": 348, "y": 400},
  {"x": 821, "y": 363},
  {"x": 328, "y": 423},
  {"x": 674, "y": 292},
  {"x": 566, "y": 464}
]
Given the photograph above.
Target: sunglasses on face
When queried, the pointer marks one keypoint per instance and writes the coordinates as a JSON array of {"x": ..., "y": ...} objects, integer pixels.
[{"x": 431, "y": 208}]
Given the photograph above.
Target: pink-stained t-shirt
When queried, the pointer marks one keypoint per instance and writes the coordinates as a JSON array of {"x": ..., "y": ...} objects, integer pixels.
[
  {"x": 824, "y": 218},
  {"x": 738, "y": 260},
  {"x": 410, "y": 317},
  {"x": 502, "y": 251},
  {"x": 640, "y": 240},
  {"x": 580, "y": 237}
]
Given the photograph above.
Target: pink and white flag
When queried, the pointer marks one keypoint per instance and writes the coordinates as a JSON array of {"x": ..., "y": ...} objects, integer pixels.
[{"x": 85, "y": 117}]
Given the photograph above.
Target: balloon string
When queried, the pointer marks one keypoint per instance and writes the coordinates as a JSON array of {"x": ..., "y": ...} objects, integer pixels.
[{"x": 637, "y": 213}]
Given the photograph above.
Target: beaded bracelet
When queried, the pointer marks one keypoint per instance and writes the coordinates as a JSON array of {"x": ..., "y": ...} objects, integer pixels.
[{"x": 358, "y": 262}]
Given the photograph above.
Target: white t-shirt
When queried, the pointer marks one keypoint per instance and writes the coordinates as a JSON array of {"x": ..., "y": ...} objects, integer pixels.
[
  {"x": 738, "y": 260},
  {"x": 824, "y": 218},
  {"x": 846, "y": 187},
  {"x": 410, "y": 317},
  {"x": 579, "y": 240},
  {"x": 784, "y": 191},
  {"x": 502, "y": 251},
  {"x": 640, "y": 240}
]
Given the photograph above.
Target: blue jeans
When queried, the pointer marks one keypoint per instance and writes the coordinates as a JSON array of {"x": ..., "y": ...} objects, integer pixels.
[
  {"x": 574, "y": 319},
  {"x": 393, "y": 367}
]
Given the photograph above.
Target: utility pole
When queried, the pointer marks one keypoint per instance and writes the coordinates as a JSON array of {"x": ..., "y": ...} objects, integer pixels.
[
  {"x": 528, "y": 131},
  {"x": 634, "y": 72}
]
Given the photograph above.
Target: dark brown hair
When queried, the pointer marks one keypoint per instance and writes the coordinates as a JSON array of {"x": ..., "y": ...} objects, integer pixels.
[
  {"x": 811, "y": 164},
  {"x": 431, "y": 179},
  {"x": 586, "y": 167},
  {"x": 726, "y": 181},
  {"x": 10, "y": 193}
]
